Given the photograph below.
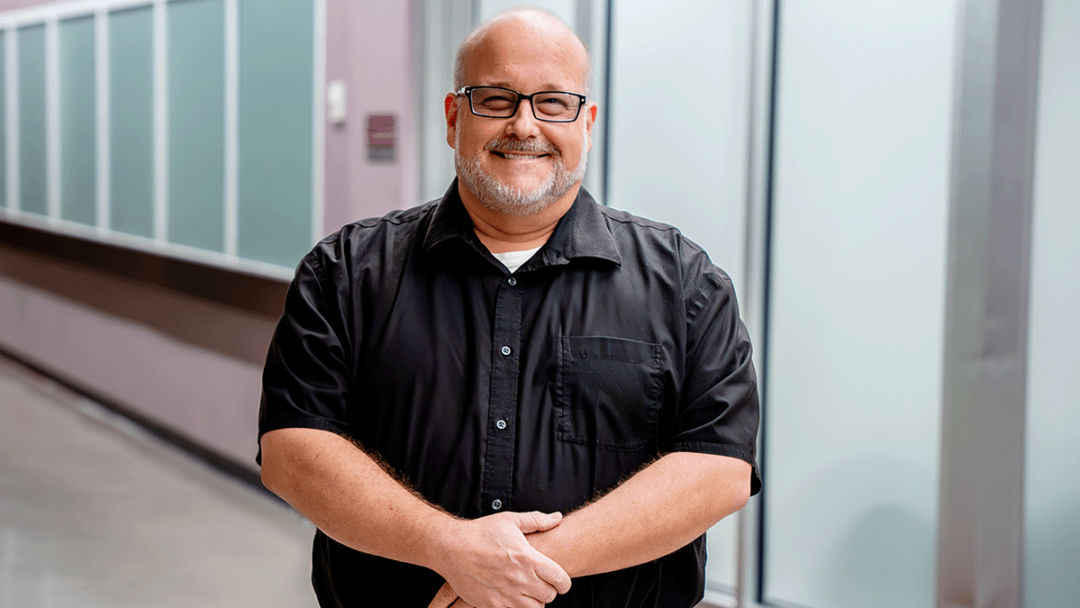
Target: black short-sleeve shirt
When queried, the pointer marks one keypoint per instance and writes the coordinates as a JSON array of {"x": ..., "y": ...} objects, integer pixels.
[{"x": 617, "y": 342}]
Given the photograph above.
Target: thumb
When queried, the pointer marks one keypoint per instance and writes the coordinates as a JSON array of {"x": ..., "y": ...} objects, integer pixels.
[
  {"x": 535, "y": 521},
  {"x": 444, "y": 598}
]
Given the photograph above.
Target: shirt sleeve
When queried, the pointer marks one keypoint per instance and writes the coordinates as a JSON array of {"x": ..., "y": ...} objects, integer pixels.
[
  {"x": 305, "y": 380},
  {"x": 718, "y": 412}
]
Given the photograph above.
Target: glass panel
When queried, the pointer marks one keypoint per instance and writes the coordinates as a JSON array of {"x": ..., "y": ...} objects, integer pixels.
[
  {"x": 131, "y": 121},
  {"x": 276, "y": 83},
  {"x": 78, "y": 178},
  {"x": 196, "y": 79},
  {"x": 33, "y": 162},
  {"x": 687, "y": 167},
  {"x": 1052, "y": 493},
  {"x": 443, "y": 29},
  {"x": 700, "y": 150},
  {"x": 857, "y": 304}
]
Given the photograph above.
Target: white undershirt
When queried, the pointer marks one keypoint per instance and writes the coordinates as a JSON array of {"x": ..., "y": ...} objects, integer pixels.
[{"x": 514, "y": 259}]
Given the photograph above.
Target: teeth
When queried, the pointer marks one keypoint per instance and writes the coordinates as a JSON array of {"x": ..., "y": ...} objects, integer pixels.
[{"x": 518, "y": 156}]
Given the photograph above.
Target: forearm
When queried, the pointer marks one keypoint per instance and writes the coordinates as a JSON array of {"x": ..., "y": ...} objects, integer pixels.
[
  {"x": 349, "y": 496},
  {"x": 660, "y": 509},
  {"x": 352, "y": 499}
]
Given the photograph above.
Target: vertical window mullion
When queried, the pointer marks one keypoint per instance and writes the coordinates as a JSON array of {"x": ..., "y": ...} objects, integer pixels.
[
  {"x": 980, "y": 532},
  {"x": 11, "y": 92},
  {"x": 318, "y": 122},
  {"x": 232, "y": 68},
  {"x": 759, "y": 168},
  {"x": 161, "y": 124},
  {"x": 103, "y": 107},
  {"x": 52, "y": 118}
]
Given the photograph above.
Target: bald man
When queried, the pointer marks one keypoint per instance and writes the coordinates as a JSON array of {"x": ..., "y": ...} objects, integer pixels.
[{"x": 511, "y": 396}]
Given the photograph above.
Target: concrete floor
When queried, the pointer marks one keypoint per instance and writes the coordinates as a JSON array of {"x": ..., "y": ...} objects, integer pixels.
[{"x": 96, "y": 513}]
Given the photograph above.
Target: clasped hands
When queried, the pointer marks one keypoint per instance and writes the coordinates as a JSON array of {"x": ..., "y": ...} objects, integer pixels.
[{"x": 489, "y": 563}]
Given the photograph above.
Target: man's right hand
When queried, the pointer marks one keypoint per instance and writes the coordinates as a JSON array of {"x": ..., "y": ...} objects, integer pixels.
[{"x": 488, "y": 563}]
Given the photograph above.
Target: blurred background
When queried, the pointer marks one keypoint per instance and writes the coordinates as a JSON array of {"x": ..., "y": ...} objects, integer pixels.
[{"x": 891, "y": 184}]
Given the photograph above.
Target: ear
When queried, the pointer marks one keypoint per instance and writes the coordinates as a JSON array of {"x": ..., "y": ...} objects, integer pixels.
[
  {"x": 451, "y": 108},
  {"x": 590, "y": 118}
]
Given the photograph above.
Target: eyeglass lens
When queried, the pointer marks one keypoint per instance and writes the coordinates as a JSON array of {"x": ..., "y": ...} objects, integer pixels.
[{"x": 502, "y": 103}]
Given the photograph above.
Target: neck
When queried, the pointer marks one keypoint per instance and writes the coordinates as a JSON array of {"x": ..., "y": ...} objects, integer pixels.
[{"x": 501, "y": 233}]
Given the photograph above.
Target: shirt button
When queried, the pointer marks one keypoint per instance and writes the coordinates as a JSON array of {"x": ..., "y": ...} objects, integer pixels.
[
  {"x": 505, "y": 351},
  {"x": 512, "y": 281},
  {"x": 500, "y": 425},
  {"x": 496, "y": 504}
]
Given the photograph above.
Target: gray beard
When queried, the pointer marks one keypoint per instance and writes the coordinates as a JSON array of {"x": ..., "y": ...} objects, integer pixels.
[{"x": 510, "y": 200}]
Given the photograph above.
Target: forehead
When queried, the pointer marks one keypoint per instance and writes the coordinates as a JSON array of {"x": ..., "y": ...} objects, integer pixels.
[{"x": 529, "y": 55}]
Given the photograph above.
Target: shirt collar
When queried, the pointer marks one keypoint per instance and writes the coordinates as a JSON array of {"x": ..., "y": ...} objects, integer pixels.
[
  {"x": 449, "y": 221},
  {"x": 582, "y": 233}
]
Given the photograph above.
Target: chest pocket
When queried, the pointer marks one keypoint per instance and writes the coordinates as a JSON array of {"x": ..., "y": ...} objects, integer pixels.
[{"x": 608, "y": 393}]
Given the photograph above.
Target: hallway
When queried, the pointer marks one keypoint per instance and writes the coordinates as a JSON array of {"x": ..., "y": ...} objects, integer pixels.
[{"x": 96, "y": 513}]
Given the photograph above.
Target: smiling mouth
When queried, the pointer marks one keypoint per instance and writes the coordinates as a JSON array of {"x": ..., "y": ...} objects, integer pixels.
[{"x": 517, "y": 155}]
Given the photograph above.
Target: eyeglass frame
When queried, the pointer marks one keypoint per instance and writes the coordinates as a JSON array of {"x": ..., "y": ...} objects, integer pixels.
[{"x": 467, "y": 92}]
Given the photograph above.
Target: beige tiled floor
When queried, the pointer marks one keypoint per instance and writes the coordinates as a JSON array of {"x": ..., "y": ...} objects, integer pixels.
[{"x": 95, "y": 513}]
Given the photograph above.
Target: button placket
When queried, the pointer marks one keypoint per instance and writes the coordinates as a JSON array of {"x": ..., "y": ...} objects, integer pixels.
[{"x": 497, "y": 488}]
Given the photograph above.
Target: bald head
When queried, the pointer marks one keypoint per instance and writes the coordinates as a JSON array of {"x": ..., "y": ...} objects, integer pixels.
[{"x": 542, "y": 32}]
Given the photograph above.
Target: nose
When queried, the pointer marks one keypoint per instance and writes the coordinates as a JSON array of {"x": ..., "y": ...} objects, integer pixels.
[{"x": 523, "y": 123}]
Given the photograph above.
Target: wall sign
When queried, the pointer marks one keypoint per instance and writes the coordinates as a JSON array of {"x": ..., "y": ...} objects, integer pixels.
[{"x": 382, "y": 140}]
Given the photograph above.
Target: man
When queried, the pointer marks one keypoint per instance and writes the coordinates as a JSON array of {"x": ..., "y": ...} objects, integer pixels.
[{"x": 511, "y": 396}]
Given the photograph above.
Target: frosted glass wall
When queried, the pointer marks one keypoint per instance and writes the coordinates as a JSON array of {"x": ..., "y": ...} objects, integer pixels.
[
  {"x": 678, "y": 143},
  {"x": 1052, "y": 474},
  {"x": 33, "y": 163},
  {"x": 196, "y": 102},
  {"x": 680, "y": 94},
  {"x": 78, "y": 180},
  {"x": 187, "y": 86},
  {"x": 851, "y": 451},
  {"x": 131, "y": 121},
  {"x": 276, "y": 106}
]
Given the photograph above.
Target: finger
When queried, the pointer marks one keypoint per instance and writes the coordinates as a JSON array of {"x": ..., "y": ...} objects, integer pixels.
[
  {"x": 444, "y": 597},
  {"x": 552, "y": 573},
  {"x": 526, "y": 601},
  {"x": 550, "y": 597},
  {"x": 537, "y": 593},
  {"x": 535, "y": 521}
]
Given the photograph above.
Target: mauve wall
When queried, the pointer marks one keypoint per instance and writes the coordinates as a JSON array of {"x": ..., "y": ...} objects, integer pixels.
[
  {"x": 191, "y": 363},
  {"x": 370, "y": 48},
  {"x": 10, "y": 5},
  {"x": 184, "y": 362}
]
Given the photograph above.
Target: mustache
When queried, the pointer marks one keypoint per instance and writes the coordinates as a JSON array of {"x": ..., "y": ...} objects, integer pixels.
[{"x": 518, "y": 145}]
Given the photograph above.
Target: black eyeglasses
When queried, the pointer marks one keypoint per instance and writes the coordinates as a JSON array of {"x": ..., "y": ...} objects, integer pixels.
[{"x": 548, "y": 106}]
